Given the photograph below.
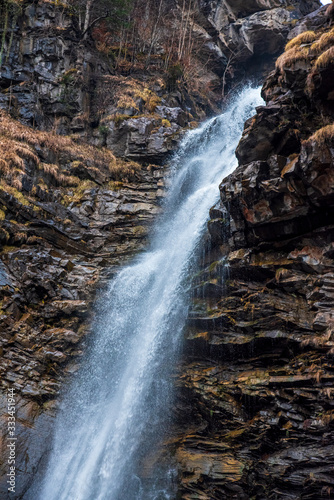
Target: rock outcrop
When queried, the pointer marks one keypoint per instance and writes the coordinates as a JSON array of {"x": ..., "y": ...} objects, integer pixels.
[
  {"x": 71, "y": 212},
  {"x": 52, "y": 77},
  {"x": 65, "y": 228},
  {"x": 256, "y": 385}
]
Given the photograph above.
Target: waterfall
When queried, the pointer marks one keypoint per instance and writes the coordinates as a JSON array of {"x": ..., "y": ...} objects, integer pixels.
[{"x": 115, "y": 409}]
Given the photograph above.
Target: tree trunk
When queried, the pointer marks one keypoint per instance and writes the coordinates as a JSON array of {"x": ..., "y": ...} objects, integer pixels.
[{"x": 87, "y": 17}]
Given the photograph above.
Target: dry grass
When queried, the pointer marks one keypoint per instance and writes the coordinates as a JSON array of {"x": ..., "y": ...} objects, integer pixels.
[
  {"x": 151, "y": 100},
  {"x": 326, "y": 59},
  {"x": 20, "y": 238},
  {"x": 19, "y": 146},
  {"x": 61, "y": 145},
  {"x": 127, "y": 102},
  {"x": 324, "y": 42},
  {"x": 314, "y": 49},
  {"x": 133, "y": 92},
  {"x": 306, "y": 37},
  {"x": 13, "y": 155},
  {"x": 124, "y": 169},
  {"x": 76, "y": 195},
  {"x": 322, "y": 135},
  {"x": 13, "y": 192},
  {"x": 52, "y": 171},
  {"x": 292, "y": 56},
  {"x": 129, "y": 93},
  {"x": 33, "y": 240}
]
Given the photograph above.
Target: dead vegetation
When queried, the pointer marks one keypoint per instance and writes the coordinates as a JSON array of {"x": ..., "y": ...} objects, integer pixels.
[
  {"x": 323, "y": 135},
  {"x": 292, "y": 56},
  {"x": 314, "y": 49},
  {"x": 52, "y": 157},
  {"x": 128, "y": 95},
  {"x": 326, "y": 40},
  {"x": 306, "y": 37},
  {"x": 326, "y": 59}
]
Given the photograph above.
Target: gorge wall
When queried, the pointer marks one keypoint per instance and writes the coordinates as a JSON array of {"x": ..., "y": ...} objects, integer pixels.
[
  {"x": 256, "y": 386},
  {"x": 84, "y": 147}
]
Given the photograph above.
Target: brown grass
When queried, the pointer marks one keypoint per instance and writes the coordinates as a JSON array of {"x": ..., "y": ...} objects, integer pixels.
[
  {"x": 306, "y": 37},
  {"x": 291, "y": 56},
  {"x": 63, "y": 145},
  {"x": 324, "y": 42},
  {"x": 52, "y": 171},
  {"x": 326, "y": 59},
  {"x": 317, "y": 55},
  {"x": 33, "y": 240},
  {"x": 18, "y": 148},
  {"x": 127, "y": 93},
  {"x": 124, "y": 169},
  {"x": 322, "y": 135},
  {"x": 13, "y": 154},
  {"x": 127, "y": 102},
  {"x": 13, "y": 192}
]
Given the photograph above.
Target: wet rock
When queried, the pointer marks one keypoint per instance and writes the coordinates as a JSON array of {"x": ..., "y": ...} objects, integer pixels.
[
  {"x": 260, "y": 385},
  {"x": 70, "y": 244}
]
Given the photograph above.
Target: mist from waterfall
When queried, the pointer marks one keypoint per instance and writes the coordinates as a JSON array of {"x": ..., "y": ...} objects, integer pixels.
[{"x": 116, "y": 408}]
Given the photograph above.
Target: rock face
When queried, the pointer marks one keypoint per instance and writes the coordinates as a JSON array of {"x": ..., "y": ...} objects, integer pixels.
[
  {"x": 256, "y": 386},
  {"x": 62, "y": 238},
  {"x": 71, "y": 212},
  {"x": 52, "y": 77}
]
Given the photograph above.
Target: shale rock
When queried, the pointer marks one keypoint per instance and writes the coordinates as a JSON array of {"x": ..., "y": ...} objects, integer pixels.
[
  {"x": 61, "y": 245},
  {"x": 257, "y": 378}
]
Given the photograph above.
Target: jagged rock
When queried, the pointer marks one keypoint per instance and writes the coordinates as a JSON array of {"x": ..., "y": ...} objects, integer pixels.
[
  {"x": 260, "y": 384},
  {"x": 60, "y": 252},
  {"x": 144, "y": 138},
  {"x": 70, "y": 77},
  {"x": 60, "y": 245}
]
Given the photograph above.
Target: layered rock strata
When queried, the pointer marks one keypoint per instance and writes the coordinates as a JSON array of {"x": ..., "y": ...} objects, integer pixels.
[
  {"x": 53, "y": 77},
  {"x": 71, "y": 212},
  {"x": 64, "y": 231},
  {"x": 256, "y": 386}
]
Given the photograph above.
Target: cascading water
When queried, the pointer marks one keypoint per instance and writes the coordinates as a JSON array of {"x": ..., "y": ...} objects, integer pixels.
[{"x": 115, "y": 409}]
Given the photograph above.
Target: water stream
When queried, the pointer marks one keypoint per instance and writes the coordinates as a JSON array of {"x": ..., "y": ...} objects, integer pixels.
[{"x": 115, "y": 410}]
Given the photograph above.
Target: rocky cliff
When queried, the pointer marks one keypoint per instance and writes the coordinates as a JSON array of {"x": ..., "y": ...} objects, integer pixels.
[
  {"x": 76, "y": 212},
  {"x": 72, "y": 207},
  {"x": 136, "y": 94},
  {"x": 256, "y": 386}
]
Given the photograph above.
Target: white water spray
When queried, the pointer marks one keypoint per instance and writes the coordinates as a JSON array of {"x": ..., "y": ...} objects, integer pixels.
[{"x": 115, "y": 409}]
